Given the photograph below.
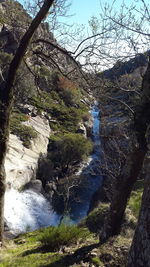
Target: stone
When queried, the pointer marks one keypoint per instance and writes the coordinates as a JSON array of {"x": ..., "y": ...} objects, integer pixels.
[
  {"x": 21, "y": 163},
  {"x": 82, "y": 129},
  {"x": 93, "y": 254},
  {"x": 34, "y": 185}
]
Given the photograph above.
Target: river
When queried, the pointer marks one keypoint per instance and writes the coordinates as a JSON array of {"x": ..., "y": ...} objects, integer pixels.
[{"x": 26, "y": 211}]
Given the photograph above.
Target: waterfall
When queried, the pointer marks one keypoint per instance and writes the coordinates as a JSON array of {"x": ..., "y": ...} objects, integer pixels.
[
  {"x": 90, "y": 170},
  {"x": 96, "y": 129},
  {"x": 27, "y": 211}
]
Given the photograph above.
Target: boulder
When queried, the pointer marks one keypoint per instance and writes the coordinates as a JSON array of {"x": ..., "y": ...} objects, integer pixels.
[
  {"x": 34, "y": 185},
  {"x": 82, "y": 129}
]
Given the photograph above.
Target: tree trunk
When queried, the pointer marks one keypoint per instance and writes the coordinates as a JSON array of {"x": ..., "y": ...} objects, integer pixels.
[
  {"x": 139, "y": 254},
  {"x": 6, "y": 100},
  {"x": 133, "y": 166},
  {"x": 140, "y": 250},
  {"x": 123, "y": 188}
]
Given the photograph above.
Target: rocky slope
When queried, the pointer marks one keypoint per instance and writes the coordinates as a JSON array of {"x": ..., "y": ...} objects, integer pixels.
[
  {"x": 21, "y": 162},
  {"x": 60, "y": 104}
]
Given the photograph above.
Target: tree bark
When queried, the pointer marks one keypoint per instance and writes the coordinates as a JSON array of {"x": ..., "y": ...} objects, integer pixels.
[
  {"x": 139, "y": 254},
  {"x": 6, "y": 100},
  {"x": 133, "y": 166},
  {"x": 123, "y": 188}
]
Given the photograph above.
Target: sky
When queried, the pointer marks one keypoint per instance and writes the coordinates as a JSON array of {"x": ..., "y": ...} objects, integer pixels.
[{"x": 83, "y": 10}]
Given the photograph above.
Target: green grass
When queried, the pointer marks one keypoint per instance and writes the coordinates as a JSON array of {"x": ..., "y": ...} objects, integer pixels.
[
  {"x": 35, "y": 248},
  {"x": 134, "y": 203},
  {"x": 56, "y": 237}
]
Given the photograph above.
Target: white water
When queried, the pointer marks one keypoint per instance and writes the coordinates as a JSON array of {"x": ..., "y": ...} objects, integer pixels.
[
  {"x": 90, "y": 170},
  {"x": 28, "y": 210}
]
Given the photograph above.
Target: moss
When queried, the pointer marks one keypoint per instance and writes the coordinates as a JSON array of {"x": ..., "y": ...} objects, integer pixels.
[
  {"x": 94, "y": 221},
  {"x": 134, "y": 202},
  {"x": 96, "y": 261}
]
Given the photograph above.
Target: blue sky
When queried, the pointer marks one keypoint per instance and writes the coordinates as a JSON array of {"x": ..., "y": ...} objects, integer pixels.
[{"x": 84, "y": 10}]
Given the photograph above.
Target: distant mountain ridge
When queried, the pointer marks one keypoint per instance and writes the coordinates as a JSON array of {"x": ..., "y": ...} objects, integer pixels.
[{"x": 127, "y": 67}]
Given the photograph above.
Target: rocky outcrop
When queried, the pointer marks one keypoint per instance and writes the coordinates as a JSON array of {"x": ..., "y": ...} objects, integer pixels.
[{"x": 21, "y": 162}]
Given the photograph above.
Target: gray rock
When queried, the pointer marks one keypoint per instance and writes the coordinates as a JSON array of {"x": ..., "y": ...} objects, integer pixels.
[
  {"x": 21, "y": 162},
  {"x": 82, "y": 129},
  {"x": 35, "y": 185}
]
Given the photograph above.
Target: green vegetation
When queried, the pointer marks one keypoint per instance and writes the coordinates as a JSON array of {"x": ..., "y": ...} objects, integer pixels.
[
  {"x": 26, "y": 251},
  {"x": 5, "y": 59},
  {"x": 37, "y": 248},
  {"x": 135, "y": 202},
  {"x": 64, "y": 118},
  {"x": 56, "y": 247},
  {"x": 96, "y": 261},
  {"x": 56, "y": 237},
  {"x": 25, "y": 133},
  {"x": 2, "y": 18},
  {"x": 24, "y": 85},
  {"x": 68, "y": 149},
  {"x": 95, "y": 220}
]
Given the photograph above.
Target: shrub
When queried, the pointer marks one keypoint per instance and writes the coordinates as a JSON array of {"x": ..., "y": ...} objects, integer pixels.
[
  {"x": 95, "y": 219},
  {"x": 24, "y": 86},
  {"x": 68, "y": 149},
  {"x": 44, "y": 78},
  {"x": 135, "y": 202},
  {"x": 25, "y": 133},
  {"x": 68, "y": 91},
  {"x": 56, "y": 237}
]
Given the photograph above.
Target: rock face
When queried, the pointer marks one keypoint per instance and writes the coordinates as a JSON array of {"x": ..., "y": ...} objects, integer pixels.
[{"x": 21, "y": 162}]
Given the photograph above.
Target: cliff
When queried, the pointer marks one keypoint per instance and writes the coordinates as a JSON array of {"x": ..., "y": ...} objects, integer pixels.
[
  {"x": 21, "y": 162},
  {"x": 61, "y": 104}
]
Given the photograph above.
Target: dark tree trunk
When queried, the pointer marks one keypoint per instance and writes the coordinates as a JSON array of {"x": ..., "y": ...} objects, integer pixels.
[
  {"x": 139, "y": 254},
  {"x": 133, "y": 166},
  {"x": 6, "y": 100},
  {"x": 140, "y": 249},
  {"x": 123, "y": 188}
]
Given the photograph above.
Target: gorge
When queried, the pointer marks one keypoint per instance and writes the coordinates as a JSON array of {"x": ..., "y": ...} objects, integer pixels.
[{"x": 29, "y": 210}]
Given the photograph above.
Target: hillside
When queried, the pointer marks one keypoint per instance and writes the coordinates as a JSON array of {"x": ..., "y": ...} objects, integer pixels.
[
  {"x": 74, "y": 153},
  {"x": 50, "y": 112},
  {"x": 127, "y": 67}
]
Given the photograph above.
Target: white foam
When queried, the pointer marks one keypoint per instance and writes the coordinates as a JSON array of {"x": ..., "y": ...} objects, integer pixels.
[{"x": 27, "y": 210}]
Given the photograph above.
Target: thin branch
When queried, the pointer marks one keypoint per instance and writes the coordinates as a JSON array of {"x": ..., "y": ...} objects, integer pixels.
[
  {"x": 121, "y": 102},
  {"x": 127, "y": 27}
]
